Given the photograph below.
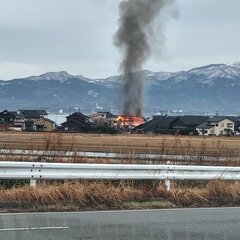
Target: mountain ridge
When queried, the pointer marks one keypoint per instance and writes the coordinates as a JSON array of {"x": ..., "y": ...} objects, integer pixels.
[{"x": 213, "y": 87}]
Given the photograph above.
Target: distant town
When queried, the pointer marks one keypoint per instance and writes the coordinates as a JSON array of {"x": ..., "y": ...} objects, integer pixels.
[{"x": 106, "y": 122}]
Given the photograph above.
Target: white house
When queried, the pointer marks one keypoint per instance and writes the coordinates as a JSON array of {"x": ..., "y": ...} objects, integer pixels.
[{"x": 216, "y": 126}]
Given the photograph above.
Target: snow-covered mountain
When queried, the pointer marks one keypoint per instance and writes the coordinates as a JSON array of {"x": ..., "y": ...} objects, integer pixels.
[
  {"x": 60, "y": 76},
  {"x": 208, "y": 88},
  {"x": 217, "y": 71}
]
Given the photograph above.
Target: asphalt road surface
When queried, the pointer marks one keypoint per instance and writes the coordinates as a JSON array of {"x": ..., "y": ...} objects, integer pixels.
[{"x": 178, "y": 224}]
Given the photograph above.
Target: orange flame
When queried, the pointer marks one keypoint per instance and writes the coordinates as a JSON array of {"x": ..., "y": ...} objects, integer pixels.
[{"x": 130, "y": 121}]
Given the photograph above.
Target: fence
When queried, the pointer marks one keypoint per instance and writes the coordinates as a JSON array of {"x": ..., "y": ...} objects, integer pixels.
[{"x": 60, "y": 171}]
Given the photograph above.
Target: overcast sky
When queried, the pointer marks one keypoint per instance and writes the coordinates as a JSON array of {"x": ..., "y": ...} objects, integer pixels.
[{"x": 38, "y": 36}]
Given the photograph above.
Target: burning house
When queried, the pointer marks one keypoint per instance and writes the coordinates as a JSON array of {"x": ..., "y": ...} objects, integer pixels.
[{"x": 127, "y": 122}]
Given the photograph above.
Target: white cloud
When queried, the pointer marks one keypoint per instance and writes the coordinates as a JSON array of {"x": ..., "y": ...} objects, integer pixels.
[
  {"x": 76, "y": 36},
  {"x": 11, "y": 70}
]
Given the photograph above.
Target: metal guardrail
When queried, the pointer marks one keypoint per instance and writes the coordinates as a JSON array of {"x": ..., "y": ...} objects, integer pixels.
[{"x": 60, "y": 171}]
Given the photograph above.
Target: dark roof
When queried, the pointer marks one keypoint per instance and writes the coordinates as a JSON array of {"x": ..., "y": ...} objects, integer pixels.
[
  {"x": 157, "y": 122},
  {"x": 42, "y": 112},
  {"x": 6, "y": 112},
  {"x": 192, "y": 121},
  {"x": 233, "y": 118},
  {"x": 205, "y": 125},
  {"x": 79, "y": 123},
  {"x": 78, "y": 114},
  {"x": 14, "y": 113},
  {"x": 32, "y": 114},
  {"x": 221, "y": 118},
  {"x": 29, "y": 114}
]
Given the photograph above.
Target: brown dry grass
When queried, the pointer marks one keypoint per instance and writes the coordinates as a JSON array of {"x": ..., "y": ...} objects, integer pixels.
[
  {"x": 115, "y": 195},
  {"x": 118, "y": 143},
  {"x": 217, "y": 147}
]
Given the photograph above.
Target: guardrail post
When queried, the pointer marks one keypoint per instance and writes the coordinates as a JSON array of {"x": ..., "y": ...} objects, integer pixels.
[
  {"x": 33, "y": 183},
  {"x": 168, "y": 185},
  {"x": 167, "y": 181}
]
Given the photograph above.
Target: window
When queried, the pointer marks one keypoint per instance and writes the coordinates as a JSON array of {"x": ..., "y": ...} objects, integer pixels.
[
  {"x": 222, "y": 125},
  {"x": 229, "y": 125}
]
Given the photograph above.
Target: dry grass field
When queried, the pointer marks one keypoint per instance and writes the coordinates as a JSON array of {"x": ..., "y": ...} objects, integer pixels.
[
  {"x": 120, "y": 143},
  {"x": 205, "y": 150}
]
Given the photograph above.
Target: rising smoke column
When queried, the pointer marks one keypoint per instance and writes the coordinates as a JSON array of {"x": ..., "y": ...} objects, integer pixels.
[{"x": 133, "y": 38}]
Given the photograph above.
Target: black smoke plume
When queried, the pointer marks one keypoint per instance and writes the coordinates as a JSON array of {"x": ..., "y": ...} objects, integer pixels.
[{"x": 133, "y": 37}]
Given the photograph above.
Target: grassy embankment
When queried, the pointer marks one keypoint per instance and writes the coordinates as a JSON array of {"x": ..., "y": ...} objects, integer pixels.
[{"x": 118, "y": 195}]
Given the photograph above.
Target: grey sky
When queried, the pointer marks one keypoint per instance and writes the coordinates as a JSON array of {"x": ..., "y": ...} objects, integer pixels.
[{"x": 77, "y": 36}]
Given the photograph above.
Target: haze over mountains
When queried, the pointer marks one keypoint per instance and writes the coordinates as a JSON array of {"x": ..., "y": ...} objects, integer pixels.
[{"x": 205, "y": 89}]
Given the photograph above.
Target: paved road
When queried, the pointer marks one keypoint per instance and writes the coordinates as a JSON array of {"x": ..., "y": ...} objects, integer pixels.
[{"x": 179, "y": 224}]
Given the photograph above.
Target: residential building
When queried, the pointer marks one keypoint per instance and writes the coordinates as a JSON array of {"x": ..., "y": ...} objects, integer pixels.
[
  {"x": 76, "y": 122},
  {"x": 102, "y": 119},
  {"x": 156, "y": 124},
  {"x": 25, "y": 118},
  {"x": 171, "y": 124},
  {"x": 219, "y": 125},
  {"x": 44, "y": 125},
  {"x": 188, "y": 122},
  {"x": 7, "y": 117}
]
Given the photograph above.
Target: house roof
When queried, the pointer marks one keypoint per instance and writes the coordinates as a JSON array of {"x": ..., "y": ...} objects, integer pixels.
[
  {"x": 221, "y": 118},
  {"x": 205, "y": 125},
  {"x": 76, "y": 122},
  {"x": 6, "y": 112},
  {"x": 42, "y": 112},
  {"x": 192, "y": 121},
  {"x": 78, "y": 114},
  {"x": 49, "y": 120},
  {"x": 160, "y": 122},
  {"x": 14, "y": 113},
  {"x": 32, "y": 114},
  {"x": 46, "y": 119}
]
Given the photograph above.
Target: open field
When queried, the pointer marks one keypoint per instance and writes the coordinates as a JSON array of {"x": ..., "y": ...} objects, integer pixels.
[
  {"x": 73, "y": 148},
  {"x": 120, "y": 143}
]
